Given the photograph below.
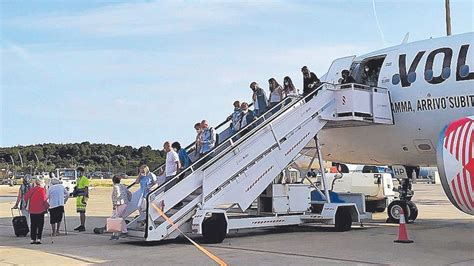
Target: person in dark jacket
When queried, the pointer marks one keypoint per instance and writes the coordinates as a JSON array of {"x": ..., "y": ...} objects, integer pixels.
[
  {"x": 310, "y": 82},
  {"x": 248, "y": 116},
  {"x": 182, "y": 154},
  {"x": 259, "y": 98},
  {"x": 346, "y": 78},
  {"x": 235, "y": 118}
]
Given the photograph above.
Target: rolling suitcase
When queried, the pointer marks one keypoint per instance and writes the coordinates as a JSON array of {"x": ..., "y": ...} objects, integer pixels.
[{"x": 20, "y": 225}]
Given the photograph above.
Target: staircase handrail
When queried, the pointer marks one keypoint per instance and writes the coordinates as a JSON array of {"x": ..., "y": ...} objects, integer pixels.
[{"x": 255, "y": 130}]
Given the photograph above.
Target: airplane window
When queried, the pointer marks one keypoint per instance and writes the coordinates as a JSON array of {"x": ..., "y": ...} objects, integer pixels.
[
  {"x": 411, "y": 77},
  {"x": 396, "y": 79},
  {"x": 428, "y": 75},
  {"x": 464, "y": 71},
  {"x": 446, "y": 73}
]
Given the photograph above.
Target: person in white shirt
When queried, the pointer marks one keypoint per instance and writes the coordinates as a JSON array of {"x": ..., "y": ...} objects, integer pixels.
[
  {"x": 276, "y": 92},
  {"x": 172, "y": 165},
  {"x": 57, "y": 197},
  {"x": 121, "y": 197}
]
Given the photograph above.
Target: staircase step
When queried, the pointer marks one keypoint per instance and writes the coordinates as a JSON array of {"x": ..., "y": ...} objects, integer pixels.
[
  {"x": 136, "y": 233},
  {"x": 196, "y": 193},
  {"x": 171, "y": 212},
  {"x": 190, "y": 197}
]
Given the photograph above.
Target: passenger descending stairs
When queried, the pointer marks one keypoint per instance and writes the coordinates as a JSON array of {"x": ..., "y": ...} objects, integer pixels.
[{"x": 239, "y": 170}]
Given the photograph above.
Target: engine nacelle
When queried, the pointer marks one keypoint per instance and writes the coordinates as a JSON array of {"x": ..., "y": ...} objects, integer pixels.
[{"x": 455, "y": 158}]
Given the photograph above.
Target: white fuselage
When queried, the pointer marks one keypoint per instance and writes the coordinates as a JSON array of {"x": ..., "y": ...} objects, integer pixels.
[{"x": 420, "y": 110}]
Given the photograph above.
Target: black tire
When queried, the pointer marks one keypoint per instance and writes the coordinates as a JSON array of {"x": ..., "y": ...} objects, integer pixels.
[
  {"x": 413, "y": 211},
  {"x": 343, "y": 220},
  {"x": 394, "y": 208},
  {"x": 214, "y": 229}
]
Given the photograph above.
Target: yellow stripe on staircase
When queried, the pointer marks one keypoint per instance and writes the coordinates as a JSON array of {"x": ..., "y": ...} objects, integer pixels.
[{"x": 202, "y": 249}]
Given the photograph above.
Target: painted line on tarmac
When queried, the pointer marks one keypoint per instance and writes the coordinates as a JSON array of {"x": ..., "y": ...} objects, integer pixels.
[
  {"x": 41, "y": 253},
  {"x": 297, "y": 255},
  {"x": 463, "y": 262},
  {"x": 86, "y": 260}
]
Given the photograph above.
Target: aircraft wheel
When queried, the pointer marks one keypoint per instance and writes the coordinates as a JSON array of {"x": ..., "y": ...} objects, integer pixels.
[
  {"x": 214, "y": 229},
  {"x": 394, "y": 210},
  {"x": 413, "y": 211}
]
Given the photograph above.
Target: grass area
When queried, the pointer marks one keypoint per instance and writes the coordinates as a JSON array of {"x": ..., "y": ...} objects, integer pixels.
[{"x": 108, "y": 182}]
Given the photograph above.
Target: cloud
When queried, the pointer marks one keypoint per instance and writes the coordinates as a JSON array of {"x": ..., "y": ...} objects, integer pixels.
[
  {"x": 148, "y": 18},
  {"x": 95, "y": 82},
  {"x": 113, "y": 85},
  {"x": 19, "y": 51}
]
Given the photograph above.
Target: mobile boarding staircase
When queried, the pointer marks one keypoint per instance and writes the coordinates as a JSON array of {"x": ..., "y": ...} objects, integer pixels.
[{"x": 242, "y": 167}]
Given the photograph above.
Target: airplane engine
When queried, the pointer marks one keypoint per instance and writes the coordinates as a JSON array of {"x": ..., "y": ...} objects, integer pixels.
[{"x": 455, "y": 158}]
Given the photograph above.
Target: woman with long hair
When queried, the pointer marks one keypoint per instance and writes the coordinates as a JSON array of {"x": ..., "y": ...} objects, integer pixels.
[
  {"x": 20, "y": 201},
  {"x": 276, "y": 92},
  {"x": 288, "y": 87}
]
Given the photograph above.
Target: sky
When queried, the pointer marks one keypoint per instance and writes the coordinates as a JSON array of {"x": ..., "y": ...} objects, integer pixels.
[{"x": 142, "y": 72}]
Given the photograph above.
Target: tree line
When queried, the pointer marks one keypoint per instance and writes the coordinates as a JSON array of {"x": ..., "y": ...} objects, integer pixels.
[{"x": 95, "y": 157}]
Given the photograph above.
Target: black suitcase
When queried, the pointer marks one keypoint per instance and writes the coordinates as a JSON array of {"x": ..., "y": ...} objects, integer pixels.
[{"x": 20, "y": 225}]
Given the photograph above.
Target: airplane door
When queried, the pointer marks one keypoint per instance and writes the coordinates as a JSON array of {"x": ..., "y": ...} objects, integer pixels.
[{"x": 334, "y": 73}]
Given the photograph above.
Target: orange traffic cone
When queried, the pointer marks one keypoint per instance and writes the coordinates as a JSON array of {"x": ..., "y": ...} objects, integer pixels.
[{"x": 402, "y": 230}]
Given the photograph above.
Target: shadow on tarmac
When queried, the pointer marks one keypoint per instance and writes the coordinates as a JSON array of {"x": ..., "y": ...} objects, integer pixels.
[{"x": 243, "y": 234}]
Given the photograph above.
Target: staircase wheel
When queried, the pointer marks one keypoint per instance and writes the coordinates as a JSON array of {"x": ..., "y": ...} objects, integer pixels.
[{"x": 214, "y": 229}]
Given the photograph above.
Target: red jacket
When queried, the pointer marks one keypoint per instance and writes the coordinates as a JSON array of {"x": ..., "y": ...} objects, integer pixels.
[{"x": 37, "y": 200}]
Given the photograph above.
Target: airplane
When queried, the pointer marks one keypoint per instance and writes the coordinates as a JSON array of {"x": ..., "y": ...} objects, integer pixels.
[
  {"x": 431, "y": 84},
  {"x": 431, "y": 123}
]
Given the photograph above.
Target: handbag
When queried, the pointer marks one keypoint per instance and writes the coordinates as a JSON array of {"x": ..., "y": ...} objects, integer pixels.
[{"x": 114, "y": 225}]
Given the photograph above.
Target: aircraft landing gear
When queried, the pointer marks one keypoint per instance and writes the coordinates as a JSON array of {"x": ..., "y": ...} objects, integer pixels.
[
  {"x": 409, "y": 207},
  {"x": 405, "y": 195}
]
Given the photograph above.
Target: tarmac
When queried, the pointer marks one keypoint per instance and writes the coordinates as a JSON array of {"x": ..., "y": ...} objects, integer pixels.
[{"x": 442, "y": 234}]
